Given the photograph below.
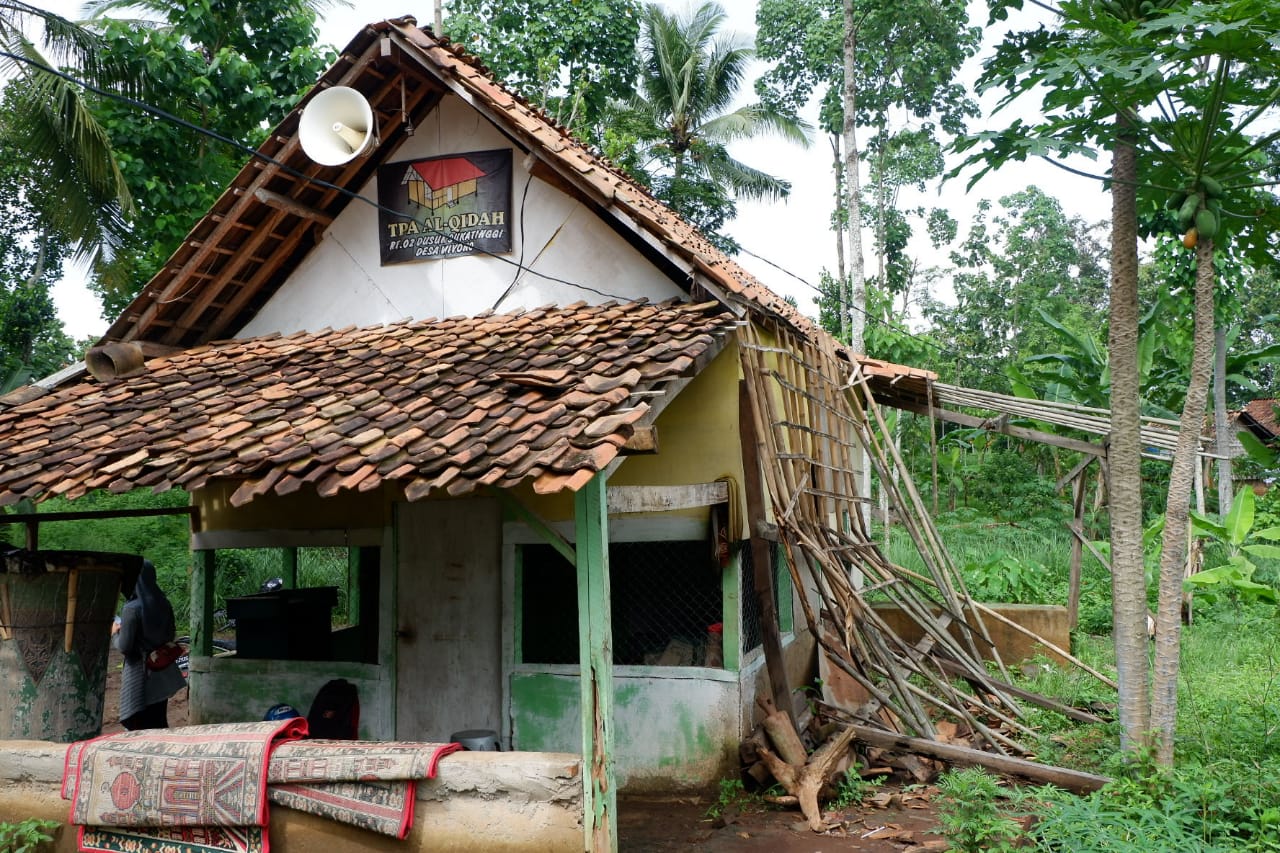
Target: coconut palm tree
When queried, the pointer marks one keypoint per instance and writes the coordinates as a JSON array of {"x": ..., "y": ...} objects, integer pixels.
[
  {"x": 682, "y": 119},
  {"x": 53, "y": 125}
]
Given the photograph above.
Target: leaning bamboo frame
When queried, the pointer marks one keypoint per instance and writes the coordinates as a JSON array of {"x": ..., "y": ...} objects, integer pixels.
[{"x": 815, "y": 419}]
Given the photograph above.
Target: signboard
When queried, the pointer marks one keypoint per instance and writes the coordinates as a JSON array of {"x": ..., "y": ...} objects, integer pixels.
[{"x": 443, "y": 207}]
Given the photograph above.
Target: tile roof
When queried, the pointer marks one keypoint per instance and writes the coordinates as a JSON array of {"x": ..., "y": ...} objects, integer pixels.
[
  {"x": 1262, "y": 414},
  {"x": 546, "y": 395}
]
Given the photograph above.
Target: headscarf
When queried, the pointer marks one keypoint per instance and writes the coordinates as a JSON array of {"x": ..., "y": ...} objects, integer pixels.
[{"x": 158, "y": 625}]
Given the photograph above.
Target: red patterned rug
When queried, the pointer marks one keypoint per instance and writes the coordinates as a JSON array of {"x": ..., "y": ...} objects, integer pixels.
[
  {"x": 366, "y": 784},
  {"x": 204, "y": 789},
  {"x": 184, "y": 781}
]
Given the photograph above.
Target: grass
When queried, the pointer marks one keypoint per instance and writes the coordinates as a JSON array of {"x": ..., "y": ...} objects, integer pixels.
[{"x": 1224, "y": 793}]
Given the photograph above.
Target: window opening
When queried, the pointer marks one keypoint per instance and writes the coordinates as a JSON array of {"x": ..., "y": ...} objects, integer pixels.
[{"x": 666, "y": 596}]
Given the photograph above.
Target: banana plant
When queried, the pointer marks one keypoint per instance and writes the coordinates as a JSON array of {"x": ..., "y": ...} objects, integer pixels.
[{"x": 1234, "y": 578}]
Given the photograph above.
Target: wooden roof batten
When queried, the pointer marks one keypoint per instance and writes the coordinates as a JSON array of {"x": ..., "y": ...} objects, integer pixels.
[{"x": 151, "y": 316}]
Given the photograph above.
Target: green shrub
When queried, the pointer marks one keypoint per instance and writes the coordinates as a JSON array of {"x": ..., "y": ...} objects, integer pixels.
[
  {"x": 1008, "y": 486},
  {"x": 1006, "y": 578},
  {"x": 1155, "y": 811},
  {"x": 971, "y": 813},
  {"x": 26, "y": 836}
]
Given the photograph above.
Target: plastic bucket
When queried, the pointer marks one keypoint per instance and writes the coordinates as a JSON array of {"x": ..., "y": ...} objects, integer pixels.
[{"x": 477, "y": 740}]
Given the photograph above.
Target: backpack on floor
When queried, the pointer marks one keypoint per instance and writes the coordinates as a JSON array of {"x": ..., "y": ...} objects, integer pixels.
[{"x": 335, "y": 712}]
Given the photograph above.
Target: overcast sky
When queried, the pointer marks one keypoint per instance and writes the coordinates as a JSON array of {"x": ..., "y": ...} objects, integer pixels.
[{"x": 793, "y": 236}]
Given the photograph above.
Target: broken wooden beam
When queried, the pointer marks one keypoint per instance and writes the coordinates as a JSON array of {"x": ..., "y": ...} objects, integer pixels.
[{"x": 1071, "y": 780}]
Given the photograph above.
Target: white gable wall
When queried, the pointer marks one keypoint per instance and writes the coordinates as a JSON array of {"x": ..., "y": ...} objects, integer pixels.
[{"x": 342, "y": 283}]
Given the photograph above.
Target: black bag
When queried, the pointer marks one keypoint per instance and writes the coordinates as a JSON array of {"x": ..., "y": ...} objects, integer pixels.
[{"x": 335, "y": 712}]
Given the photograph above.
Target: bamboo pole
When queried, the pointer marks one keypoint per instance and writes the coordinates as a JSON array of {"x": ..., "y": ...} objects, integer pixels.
[
  {"x": 1071, "y": 780},
  {"x": 6, "y": 629},
  {"x": 73, "y": 591}
]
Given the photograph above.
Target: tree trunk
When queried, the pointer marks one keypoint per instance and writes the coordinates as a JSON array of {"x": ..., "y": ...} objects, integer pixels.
[
  {"x": 1173, "y": 545},
  {"x": 853, "y": 203},
  {"x": 1221, "y": 428},
  {"x": 842, "y": 281},
  {"x": 1124, "y": 457}
]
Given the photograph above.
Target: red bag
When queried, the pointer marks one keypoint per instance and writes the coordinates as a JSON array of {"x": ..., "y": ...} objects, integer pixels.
[{"x": 165, "y": 656}]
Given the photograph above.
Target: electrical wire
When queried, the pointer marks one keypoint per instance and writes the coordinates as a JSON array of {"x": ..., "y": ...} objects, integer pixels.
[
  {"x": 288, "y": 170},
  {"x": 518, "y": 264},
  {"x": 874, "y": 318}
]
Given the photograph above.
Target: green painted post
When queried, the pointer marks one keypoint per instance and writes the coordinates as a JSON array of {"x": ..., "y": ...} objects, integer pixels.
[
  {"x": 353, "y": 585},
  {"x": 599, "y": 795},
  {"x": 731, "y": 607},
  {"x": 289, "y": 567},
  {"x": 202, "y": 586}
]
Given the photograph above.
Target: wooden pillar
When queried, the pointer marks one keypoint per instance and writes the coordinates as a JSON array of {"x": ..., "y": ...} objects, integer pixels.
[
  {"x": 595, "y": 654},
  {"x": 761, "y": 556},
  {"x": 202, "y": 585}
]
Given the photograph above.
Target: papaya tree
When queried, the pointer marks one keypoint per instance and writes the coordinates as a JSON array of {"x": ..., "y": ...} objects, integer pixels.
[{"x": 1160, "y": 85}]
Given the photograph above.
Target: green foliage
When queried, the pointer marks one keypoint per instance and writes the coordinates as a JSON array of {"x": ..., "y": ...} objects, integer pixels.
[
  {"x": 27, "y": 836},
  {"x": 971, "y": 813},
  {"x": 1229, "y": 697},
  {"x": 229, "y": 65},
  {"x": 1150, "y": 811},
  {"x": 571, "y": 57},
  {"x": 907, "y": 57},
  {"x": 1234, "y": 578},
  {"x": 732, "y": 795},
  {"x": 1007, "y": 485},
  {"x": 852, "y": 789},
  {"x": 162, "y": 539},
  {"x": 1026, "y": 278},
  {"x": 31, "y": 253},
  {"x": 674, "y": 134},
  {"x": 1006, "y": 578}
]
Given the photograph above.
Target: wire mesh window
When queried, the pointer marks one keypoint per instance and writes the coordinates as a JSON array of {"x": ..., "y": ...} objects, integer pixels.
[
  {"x": 347, "y": 630},
  {"x": 245, "y": 571},
  {"x": 666, "y": 598},
  {"x": 752, "y": 629}
]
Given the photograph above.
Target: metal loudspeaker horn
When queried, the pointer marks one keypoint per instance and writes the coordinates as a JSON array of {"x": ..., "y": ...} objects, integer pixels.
[{"x": 337, "y": 127}]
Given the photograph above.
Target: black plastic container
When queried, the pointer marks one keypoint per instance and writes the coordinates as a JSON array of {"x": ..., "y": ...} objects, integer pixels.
[{"x": 289, "y": 624}]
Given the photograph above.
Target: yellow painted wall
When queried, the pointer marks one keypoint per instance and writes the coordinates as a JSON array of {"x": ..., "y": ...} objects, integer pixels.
[
  {"x": 302, "y": 510},
  {"x": 698, "y": 442}
]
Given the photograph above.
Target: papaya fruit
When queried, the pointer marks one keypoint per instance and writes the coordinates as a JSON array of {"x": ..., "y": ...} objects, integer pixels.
[
  {"x": 1212, "y": 186},
  {"x": 1206, "y": 223},
  {"x": 1187, "y": 213},
  {"x": 1190, "y": 238}
]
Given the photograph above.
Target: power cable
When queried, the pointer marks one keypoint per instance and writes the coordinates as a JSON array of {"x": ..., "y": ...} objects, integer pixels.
[
  {"x": 344, "y": 191},
  {"x": 288, "y": 170},
  {"x": 928, "y": 342}
]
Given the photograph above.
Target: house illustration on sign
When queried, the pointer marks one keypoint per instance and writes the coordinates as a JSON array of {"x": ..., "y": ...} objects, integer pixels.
[{"x": 435, "y": 183}]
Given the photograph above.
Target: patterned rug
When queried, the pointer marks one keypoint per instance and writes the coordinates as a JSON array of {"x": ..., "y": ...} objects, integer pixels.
[
  {"x": 204, "y": 789},
  {"x": 183, "y": 781},
  {"x": 184, "y": 839},
  {"x": 366, "y": 784}
]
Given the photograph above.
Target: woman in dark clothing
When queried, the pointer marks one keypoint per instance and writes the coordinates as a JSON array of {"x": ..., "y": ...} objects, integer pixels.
[{"x": 146, "y": 624}]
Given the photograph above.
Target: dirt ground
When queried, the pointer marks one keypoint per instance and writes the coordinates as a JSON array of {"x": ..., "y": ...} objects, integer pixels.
[
  {"x": 654, "y": 824},
  {"x": 111, "y": 711},
  {"x": 905, "y": 822}
]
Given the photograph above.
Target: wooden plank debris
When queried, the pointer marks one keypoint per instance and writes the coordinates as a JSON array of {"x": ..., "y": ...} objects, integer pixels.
[{"x": 814, "y": 423}]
